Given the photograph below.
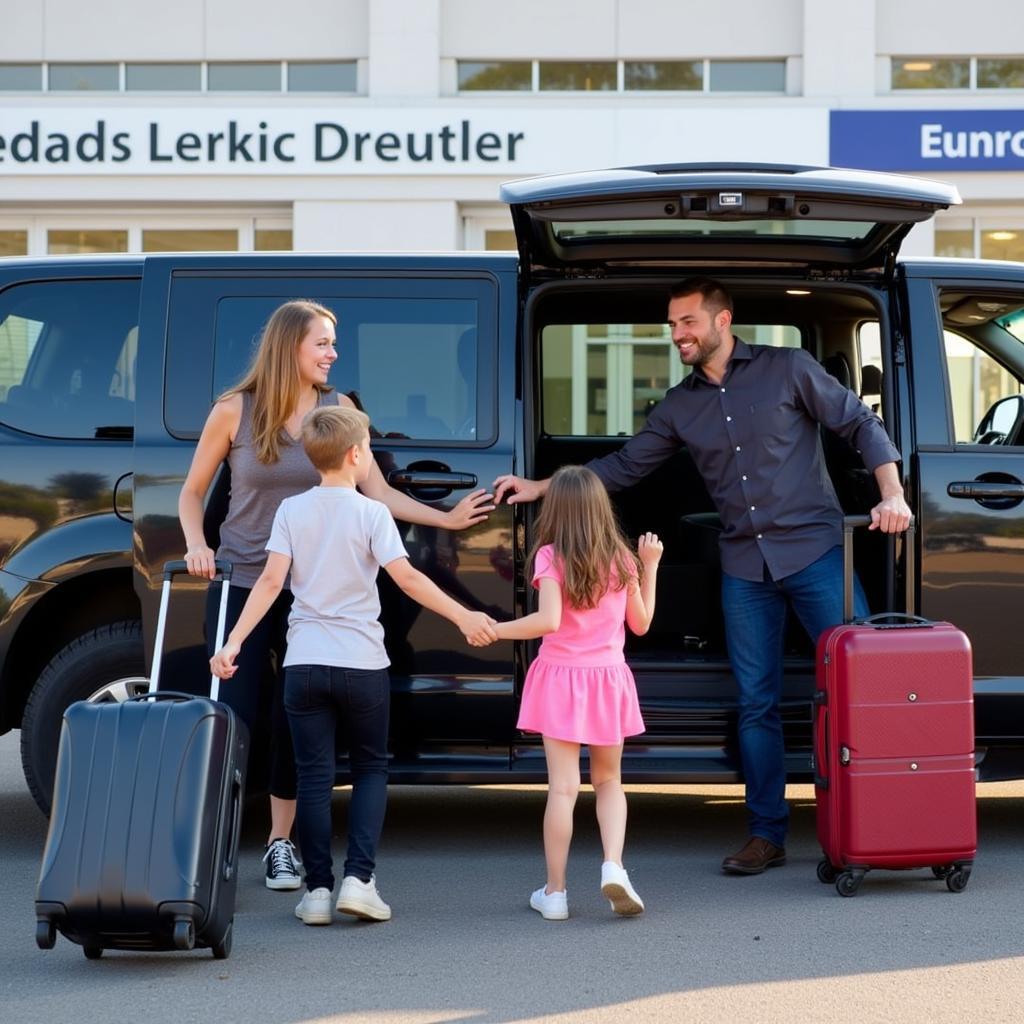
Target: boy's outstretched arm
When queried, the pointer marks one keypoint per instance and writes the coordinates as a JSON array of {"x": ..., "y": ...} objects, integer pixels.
[
  {"x": 476, "y": 627},
  {"x": 546, "y": 619},
  {"x": 261, "y": 597},
  {"x": 640, "y": 602}
]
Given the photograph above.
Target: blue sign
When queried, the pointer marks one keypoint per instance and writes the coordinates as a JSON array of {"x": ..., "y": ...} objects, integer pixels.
[{"x": 927, "y": 140}]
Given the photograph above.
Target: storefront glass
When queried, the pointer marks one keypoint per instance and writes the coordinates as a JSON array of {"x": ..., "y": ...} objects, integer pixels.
[
  {"x": 172, "y": 240},
  {"x": 13, "y": 243},
  {"x": 72, "y": 243}
]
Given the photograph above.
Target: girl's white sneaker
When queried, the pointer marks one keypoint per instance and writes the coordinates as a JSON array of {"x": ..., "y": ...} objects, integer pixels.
[
  {"x": 616, "y": 888},
  {"x": 552, "y": 906}
]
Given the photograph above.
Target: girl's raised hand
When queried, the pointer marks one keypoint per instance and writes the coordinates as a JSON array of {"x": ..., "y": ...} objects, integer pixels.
[{"x": 650, "y": 550}]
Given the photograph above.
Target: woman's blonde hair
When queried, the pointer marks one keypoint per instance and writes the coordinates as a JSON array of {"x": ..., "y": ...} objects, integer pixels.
[
  {"x": 578, "y": 522},
  {"x": 273, "y": 375}
]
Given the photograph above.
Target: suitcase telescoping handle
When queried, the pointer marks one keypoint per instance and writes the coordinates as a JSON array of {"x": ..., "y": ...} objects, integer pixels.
[
  {"x": 851, "y": 523},
  {"x": 180, "y": 568}
]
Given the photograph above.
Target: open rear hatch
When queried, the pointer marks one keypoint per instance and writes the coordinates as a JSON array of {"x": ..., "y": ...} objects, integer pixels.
[{"x": 736, "y": 215}]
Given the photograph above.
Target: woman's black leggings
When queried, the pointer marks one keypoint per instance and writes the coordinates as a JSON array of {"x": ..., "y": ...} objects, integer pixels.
[{"x": 256, "y": 691}]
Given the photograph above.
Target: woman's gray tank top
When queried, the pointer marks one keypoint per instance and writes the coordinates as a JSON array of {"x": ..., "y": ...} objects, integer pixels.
[{"x": 257, "y": 489}]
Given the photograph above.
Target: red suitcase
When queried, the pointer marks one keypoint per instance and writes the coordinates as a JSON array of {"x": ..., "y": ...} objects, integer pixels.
[{"x": 893, "y": 742}]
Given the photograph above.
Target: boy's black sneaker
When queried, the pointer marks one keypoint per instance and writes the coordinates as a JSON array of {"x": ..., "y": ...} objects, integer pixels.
[{"x": 283, "y": 865}]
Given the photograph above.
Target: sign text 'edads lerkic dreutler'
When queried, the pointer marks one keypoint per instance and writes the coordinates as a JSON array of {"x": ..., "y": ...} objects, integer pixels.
[{"x": 113, "y": 141}]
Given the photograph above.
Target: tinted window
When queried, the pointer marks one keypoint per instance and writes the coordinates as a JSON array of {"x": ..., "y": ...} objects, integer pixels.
[
  {"x": 160, "y": 77},
  {"x": 67, "y": 357},
  {"x": 101, "y": 77},
  {"x": 335, "y": 76},
  {"x": 244, "y": 77},
  {"x": 418, "y": 356},
  {"x": 21, "y": 77}
]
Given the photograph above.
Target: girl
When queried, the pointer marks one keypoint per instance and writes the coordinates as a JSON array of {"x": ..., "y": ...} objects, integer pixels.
[
  {"x": 255, "y": 426},
  {"x": 579, "y": 689}
]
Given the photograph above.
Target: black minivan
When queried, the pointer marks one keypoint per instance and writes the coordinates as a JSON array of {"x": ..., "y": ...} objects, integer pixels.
[{"x": 473, "y": 365}]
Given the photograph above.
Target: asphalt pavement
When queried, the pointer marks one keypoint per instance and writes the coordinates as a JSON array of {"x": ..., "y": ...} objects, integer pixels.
[{"x": 458, "y": 865}]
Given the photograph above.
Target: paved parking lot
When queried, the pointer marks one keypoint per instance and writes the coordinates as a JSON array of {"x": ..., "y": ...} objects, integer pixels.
[{"x": 458, "y": 864}]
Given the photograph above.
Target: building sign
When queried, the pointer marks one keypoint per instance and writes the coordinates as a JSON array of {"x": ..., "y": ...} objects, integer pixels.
[
  {"x": 923, "y": 140},
  {"x": 77, "y": 140}
]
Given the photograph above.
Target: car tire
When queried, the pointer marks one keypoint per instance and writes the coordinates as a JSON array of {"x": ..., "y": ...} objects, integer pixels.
[{"x": 107, "y": 663}]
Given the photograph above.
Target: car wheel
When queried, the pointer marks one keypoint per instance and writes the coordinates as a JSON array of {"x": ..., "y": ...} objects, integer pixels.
[{"x": 105, "y": 664}]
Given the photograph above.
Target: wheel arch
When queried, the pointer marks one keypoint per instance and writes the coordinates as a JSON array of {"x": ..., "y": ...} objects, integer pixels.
[{"x": 66, "y": 611}]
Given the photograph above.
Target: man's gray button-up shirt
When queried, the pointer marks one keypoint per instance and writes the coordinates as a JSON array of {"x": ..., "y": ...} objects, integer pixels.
[{"x": 756, "y": 442}]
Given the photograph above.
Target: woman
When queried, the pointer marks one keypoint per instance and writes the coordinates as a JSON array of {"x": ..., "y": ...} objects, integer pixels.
[{"x": 255, "y": 426}]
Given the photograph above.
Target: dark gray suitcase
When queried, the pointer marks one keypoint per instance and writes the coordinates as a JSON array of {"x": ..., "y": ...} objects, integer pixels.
[{"x": 143, "y": 839}]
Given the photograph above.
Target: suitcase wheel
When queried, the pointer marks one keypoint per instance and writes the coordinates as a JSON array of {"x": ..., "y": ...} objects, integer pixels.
[
  {"x": 222, "y": 949},
  {"x": 46, "y": 934},
  {"x": 92, "y": 952},
  {"x": 956, "y": 880},
  {"x": 826, "y": 873},
  {"x": 184, "y": 936},
  {"x": 848, "y": 882},
  {"x": 942, "y": 871}
]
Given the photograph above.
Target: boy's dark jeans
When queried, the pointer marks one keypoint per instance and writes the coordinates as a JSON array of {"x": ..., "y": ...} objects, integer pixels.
[{"x": 321, "y": 700}]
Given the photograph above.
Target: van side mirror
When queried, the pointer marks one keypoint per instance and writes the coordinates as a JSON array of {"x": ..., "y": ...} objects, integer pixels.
[{"x": 1003, "y": 422}]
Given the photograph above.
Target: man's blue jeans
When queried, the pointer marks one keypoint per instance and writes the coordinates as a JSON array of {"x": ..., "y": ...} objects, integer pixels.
[
  {"x": 354, "y": 703},
  {"x": 755, "y": 627}
]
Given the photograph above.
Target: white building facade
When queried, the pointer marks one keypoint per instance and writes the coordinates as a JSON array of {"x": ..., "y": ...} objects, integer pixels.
[{"x": 389, "y": 124}]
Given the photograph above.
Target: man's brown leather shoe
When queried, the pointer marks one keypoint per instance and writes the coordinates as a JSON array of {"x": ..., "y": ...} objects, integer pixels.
[{"x": 757, "y": 855}]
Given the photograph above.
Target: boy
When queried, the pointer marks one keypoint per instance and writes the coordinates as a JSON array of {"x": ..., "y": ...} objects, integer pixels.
[{"x": 333, "y": 540}]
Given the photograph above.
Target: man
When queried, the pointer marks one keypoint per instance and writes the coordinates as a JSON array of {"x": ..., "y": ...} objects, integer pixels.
[{"x": 749, "y": 416}]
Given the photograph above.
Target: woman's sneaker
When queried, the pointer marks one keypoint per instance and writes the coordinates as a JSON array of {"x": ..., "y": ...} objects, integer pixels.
[
  {"x": 315, "y": 907},
  {"x": 552, "y": 906},
  {"x": 361, "y": 899},
  {"x": 283, "y": 865},
  {"x": 619, "y": 893}
]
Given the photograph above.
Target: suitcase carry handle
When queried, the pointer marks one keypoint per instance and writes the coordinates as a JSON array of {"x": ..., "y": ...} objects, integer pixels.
[
  {"x": 234, "y": 826},
  {"x": 881, "y": 621},
  {"x": 177, "y": 568},
  {"x": 850, "y": 523}
]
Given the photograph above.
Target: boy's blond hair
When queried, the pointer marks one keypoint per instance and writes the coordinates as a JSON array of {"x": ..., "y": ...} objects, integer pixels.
[{"x": 329, "y": 432}]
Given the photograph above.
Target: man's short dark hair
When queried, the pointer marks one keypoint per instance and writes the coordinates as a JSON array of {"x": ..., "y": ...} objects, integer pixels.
[{"x": 714, "y": 298}]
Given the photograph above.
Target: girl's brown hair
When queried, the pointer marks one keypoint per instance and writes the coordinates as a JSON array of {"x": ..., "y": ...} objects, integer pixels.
[
  {"x": 578, "y": 522},
  {"x": 273, "y": 375}
]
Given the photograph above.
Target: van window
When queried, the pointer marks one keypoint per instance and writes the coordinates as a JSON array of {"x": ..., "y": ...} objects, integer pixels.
[
  {"x": 410, "y": 363},
  {"x": 603, "y": 380},
  {"x": 67, "y": 358},
  {"x": 983, "y": 336}
]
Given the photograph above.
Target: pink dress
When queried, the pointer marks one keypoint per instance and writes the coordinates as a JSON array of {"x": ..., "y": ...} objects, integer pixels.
[{"x": 579, "y": 688}]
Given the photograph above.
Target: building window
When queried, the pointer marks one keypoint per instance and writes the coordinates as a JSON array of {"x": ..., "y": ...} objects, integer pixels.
[
  {"x": 199, "y": 240},
  {"x": 1001, "y": 74},
  {"x": 163, "y": 77},
  {"x": 989, "y": 241},
  {"x": 13, "y": 243},
  {"x": 966, "y": 73},
  {"x": 693, "y": 76},
  {"x": 73, "y": 243},
  {"x": 327, "y": 76},
  {"x": 748, "y": 76},
  {"x": 578, "y": 76},
  {"x": 254, "y": 76},
  {"x": 84, "y": 77},
  {"x": 272, "y": 240},
  {"x": 664, "y": 75},
  {"x": 21, "y": 77},
  {"x": 495, "y": 75}
]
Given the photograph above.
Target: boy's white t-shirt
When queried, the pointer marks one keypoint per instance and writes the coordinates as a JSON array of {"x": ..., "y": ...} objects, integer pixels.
[{"x": 337, "y": 539}]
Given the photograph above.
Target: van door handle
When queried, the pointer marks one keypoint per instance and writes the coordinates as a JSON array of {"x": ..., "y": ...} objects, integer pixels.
[
  {"x": 431, "y": 478},
  {"x": 985, "y": 489}
]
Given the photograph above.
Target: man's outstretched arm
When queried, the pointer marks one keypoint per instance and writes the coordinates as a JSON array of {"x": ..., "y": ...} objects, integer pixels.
[{"x": 519, "y": 489}]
